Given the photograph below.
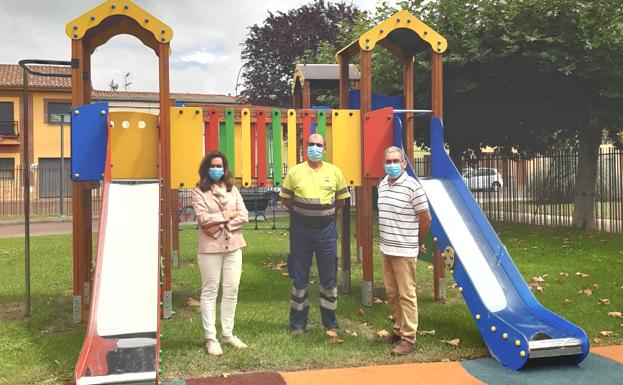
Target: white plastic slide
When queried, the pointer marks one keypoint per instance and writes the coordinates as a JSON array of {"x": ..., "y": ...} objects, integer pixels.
[{"x": 122, "y": 336}]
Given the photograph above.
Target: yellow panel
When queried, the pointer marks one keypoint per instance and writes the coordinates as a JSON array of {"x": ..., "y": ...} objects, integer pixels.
[
  {"x": 246, "y": 147},
  {"x": 186, "y": 146},
  {"x": 403, "y": 19},
  {"x": 345, "y": 146},
  {"x": 238, "y": 149},
  {"x": 134, "y": 145},
  {"x": 77, "y": 28},
  {"x": 291, "y": 138}
]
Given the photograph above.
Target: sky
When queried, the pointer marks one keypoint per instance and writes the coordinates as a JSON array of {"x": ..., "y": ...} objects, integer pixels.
[{"x": 206, "y": 42}]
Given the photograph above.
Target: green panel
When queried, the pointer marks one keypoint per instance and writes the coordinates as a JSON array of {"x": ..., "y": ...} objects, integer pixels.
[
  {"x": 322, "y": 128},
  {"x": 221, "y": 137},
  {"x": 269, "y": 135},
  {"x": 229, "y": 139},
  {"x": 277, "y": 141}
]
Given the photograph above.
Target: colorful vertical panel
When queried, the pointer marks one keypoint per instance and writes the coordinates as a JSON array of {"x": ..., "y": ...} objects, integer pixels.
[
  {"x": 229, "y": 139},
  {"x": 292, "y": 139},
  {"x": 237, "y": 150},
  {"x": 277, "y": 141},
  {"x": 222, "y": 134},
  {"x": 134, "y": 145},
  {"x": 262, "y": 153},
  {"x": 89, "y": 140},
  {"x": 377, "y": 136},
  {"x": 186, "y": 151},
  {"x": 212, "y": 132},
  {"x": 307, "y": 121},
  {"x": 345, "y": 146},
  {"x": 321, "y": 127},
  {"x": 245, "y": 124}
]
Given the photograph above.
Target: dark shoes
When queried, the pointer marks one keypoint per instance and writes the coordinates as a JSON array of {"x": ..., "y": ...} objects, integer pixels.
[
  {"x": 404, "y": 348},
  {"x": 393, "y": 338}
]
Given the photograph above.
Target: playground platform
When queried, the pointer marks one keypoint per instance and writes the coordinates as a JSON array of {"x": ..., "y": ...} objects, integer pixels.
[{"x": 604, "y": 365}]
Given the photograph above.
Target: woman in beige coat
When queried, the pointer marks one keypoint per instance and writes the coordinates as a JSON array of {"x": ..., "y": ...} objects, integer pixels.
[{"x": 221, "y": 213}]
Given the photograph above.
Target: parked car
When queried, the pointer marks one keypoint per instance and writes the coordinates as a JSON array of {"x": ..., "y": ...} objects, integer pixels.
[{"x": 483, "y": 178}]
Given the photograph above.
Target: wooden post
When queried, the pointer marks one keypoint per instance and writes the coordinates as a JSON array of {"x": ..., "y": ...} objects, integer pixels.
[
  {"x": 409, "y": 105},
  {"x": 439, "y": 274},
  {"x": 364, "y": 195},
  {"x": 437, "y": 84},
  {"x": 165, "y": 178},
  {"x": 175, "y": 231},
  {"x": 345, "y": 228},
  {"x": 306, "y": 94}
]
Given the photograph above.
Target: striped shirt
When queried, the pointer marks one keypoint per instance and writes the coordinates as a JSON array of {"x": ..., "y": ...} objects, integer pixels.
[{"x": 399, "y": 205}]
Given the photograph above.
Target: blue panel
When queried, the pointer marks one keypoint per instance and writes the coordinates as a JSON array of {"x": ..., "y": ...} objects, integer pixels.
[{"x": 89, "y": 139}]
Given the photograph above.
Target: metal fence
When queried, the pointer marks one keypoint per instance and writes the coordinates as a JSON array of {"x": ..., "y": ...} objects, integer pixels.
[
  {"x": 50, "y": 193},
  {"x": 540, "y": 190}
]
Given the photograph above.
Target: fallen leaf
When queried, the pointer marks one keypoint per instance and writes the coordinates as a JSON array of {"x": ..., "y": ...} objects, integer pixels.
[
  {"x": 336, "y": 341},
  {"x": 352, "y": 334},
  {"x": 539, "y": 289},
  {"x": 390, "y": 317},
  {"x": 563, "y": 274},
  {"x": 190, "y": 301},
  {"x": 538, "y": 279},
  {"x": 454, "y": 342},
  {"x": 382, "y": 333},
  {"x": 582, "y": 275},
  {"x": 225, "y": 375},
  {"x": 597, "y": 340},
  {"x": 586, "y": 291},
  {"x": 361, "y": 312},
  {"x": 445, "y": 360},
  {"x": 606, "y": 333},
  {"x": 604, "y": 301},
  {"x": 615, "y": 314},
  {"x": 429, "y": 267},
  {"x": 427, "y": 332},
  {"x": 596, "y": 285},
  {"x": 286, "y": 274},
  {"x": 566, "y": 300},
  {"x": 331, "y": 333},
  {"x": 377, "y": 301}
]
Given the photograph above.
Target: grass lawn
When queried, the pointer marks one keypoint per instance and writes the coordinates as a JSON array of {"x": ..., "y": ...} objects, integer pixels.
[{"x": 44, "y": 349}]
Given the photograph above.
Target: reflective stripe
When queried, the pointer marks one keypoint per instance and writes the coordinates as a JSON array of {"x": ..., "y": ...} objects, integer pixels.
[
  {"x": 287, "y": 191},
  {"x": 306, "y": 200},
  {"x": 314, "y": 213},
  {"x": 328, "y": 292},
  {"x": 328, "y": 304},
  {"x": 299, "y": 293},
  {"x": 313, "y": 206},
  {"x": 342, "y": 191},
  {"x": 299, "y": 306}
]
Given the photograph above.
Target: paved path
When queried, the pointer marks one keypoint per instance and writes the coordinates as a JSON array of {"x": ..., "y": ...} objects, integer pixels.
[
  {"x": 603, "y": 366},
  {"x": 10, "y": 229}
]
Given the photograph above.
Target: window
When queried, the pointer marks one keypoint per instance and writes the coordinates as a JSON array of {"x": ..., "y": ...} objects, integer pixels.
[
  {"x": 7, "y": 168},
  {"x": 7, "y": 124},
  {"x": 54, "y": 110}
]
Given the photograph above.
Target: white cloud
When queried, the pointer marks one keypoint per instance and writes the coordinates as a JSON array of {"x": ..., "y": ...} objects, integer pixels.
[{"x": 205, "y": 46}]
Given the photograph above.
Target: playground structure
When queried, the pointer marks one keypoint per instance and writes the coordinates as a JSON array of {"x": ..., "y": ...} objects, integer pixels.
[{"x": 142, "y": 159}]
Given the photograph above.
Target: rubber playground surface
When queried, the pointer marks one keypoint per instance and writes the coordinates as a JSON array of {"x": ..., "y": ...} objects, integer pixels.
[{"x": 604, "y": 366}]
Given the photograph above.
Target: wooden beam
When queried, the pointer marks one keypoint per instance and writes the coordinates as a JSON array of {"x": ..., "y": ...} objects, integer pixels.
[
  {"x": 437, "y": 86},
  {"x": 306, "y": 94},
  {"x": 364, "y": 195},
  {"x": 345, "y": 223},
  {"x": 408, "y": 74}
]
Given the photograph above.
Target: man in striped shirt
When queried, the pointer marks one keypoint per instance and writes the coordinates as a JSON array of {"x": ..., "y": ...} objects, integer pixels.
[
  {"x": 313, "y": 191},
  {"x": 404, "y": 220}
]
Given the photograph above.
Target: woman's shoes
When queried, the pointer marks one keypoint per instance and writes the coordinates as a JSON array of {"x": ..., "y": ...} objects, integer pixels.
[
  {"x": 234, "y": 341},
  {"x": 213, "y": 348}
]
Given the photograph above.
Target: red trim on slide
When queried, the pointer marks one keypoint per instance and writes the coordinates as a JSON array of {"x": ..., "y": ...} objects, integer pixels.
[{"x": 95, "y": 348}]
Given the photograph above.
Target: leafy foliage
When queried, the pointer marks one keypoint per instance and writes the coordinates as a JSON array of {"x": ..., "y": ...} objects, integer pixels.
[{"x": 272, "y": 49}]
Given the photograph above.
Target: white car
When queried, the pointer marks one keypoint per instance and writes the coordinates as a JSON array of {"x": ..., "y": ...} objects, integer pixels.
[{"x": 483, "y": 178}]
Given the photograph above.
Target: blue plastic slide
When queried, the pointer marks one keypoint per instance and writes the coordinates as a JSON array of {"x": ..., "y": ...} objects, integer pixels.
[{"x": 515, "y": 326}]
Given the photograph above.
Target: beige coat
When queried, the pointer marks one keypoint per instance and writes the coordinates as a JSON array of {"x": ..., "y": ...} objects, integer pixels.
[{"x": 210, "y": 212}]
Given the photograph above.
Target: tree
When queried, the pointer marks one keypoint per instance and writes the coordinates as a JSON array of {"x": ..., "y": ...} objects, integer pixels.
[
  {"x": 271, "y": 50},
  {"x": 531, "y": 75}
]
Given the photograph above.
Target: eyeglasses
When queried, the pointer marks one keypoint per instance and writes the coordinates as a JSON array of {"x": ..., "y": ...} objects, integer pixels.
[
  {"x": 310, "y": 144},
  {"x": 393, "y": 161}
]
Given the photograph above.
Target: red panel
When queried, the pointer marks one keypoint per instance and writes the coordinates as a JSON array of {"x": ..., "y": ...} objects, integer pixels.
[
  {"x": 211, "y": 135},
  {"x": 261, "y": 147},
  {"x": 253, "y": 143},
  {"x": 378, "y": 134},
  {"x": 307, "y": 120}
]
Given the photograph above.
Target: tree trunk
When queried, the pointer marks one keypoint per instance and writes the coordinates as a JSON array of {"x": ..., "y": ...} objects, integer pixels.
[{"x": 586, "y": 173}]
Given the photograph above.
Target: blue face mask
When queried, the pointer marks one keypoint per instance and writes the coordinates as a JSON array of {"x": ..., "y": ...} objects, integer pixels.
[
  {"x": 314, "y": 153},
  {"x": 216, "y": 173},
  {"x": 393, "y": 170}
]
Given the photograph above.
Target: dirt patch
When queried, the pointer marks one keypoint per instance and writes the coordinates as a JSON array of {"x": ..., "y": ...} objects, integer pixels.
[
  {"x": 268, "y": 378},
  {"x": 12, "y": 311}
]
